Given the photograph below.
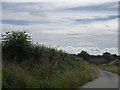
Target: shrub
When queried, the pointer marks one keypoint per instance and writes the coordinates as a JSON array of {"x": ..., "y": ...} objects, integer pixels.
[{"x": 15, "y": 44}]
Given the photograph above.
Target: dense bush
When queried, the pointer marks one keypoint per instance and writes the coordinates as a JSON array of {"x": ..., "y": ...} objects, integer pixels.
[{"x": 16, "y": 45}]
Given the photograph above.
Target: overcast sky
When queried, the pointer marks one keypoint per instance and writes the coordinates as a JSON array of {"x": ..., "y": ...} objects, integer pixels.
[{"x": 69, "y": 26}]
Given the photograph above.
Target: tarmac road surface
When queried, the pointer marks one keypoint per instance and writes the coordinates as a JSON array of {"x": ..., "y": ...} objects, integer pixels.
[{"x": 105, "y": 80}]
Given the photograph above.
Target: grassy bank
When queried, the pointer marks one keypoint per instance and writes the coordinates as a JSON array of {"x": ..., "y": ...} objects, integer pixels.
[
  {"x": 112, "y": 67},
  {"x": 69, "y": 73},
  {"x": 46, "y": 75},
  {"x": 28, "y": 65}
]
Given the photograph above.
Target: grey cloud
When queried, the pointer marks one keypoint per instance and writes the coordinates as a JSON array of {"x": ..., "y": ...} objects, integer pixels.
[
  {"x": 24, "y": 22},
  {"x": 34, "y": 9},
  {"x": 108, "y": 6},
  {"x": 97, "y": 19}
]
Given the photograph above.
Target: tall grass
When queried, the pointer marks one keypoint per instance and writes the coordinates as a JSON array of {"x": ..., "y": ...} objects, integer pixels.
[
  {"x": 47, "y": 76},
  {"x": 113, "y": 66},
  {"x": 47, "y": 68}
]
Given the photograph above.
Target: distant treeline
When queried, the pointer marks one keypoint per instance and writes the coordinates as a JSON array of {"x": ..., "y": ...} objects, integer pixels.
[{"x": 106, "y": 58}]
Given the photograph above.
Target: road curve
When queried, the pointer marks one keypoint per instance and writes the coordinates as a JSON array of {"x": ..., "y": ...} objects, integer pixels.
[{"x": 105, "y": 80}]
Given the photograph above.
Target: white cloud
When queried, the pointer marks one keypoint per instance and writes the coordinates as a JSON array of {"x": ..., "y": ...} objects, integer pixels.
[{"x": 90, "y": 50}]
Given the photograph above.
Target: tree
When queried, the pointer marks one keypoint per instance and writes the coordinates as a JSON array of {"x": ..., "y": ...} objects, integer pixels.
[
  {"x": 115, "y": 56},
  {"x": 84, "y": 55},
  {"x": 15, "y": 44},
  {"x": 108, "y": 57}
]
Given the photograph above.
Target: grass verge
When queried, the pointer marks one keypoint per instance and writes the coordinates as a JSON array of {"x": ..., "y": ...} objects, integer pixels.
[{"x": 47, "y": 75}]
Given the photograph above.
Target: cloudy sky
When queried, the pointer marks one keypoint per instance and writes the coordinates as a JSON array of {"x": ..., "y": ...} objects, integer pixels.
[{"x": 68, "y": 26}]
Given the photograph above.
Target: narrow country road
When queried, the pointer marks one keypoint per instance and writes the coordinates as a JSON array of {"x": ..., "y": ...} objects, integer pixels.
[{"x": 104, "y": 80}]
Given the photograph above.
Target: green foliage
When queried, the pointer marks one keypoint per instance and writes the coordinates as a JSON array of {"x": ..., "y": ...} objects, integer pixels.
[
  {"x": 15, "y": 45},
  {"x": 13, "y": 76},
  {"x": 84, "y": 55},
  {"x": 47, "y": 75},
  {"x": 75, "y": 77},
  {"x": 108, "y": 57},
  {"x": 113, "y": 66},
  {"x": 33, "y": 65}
]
